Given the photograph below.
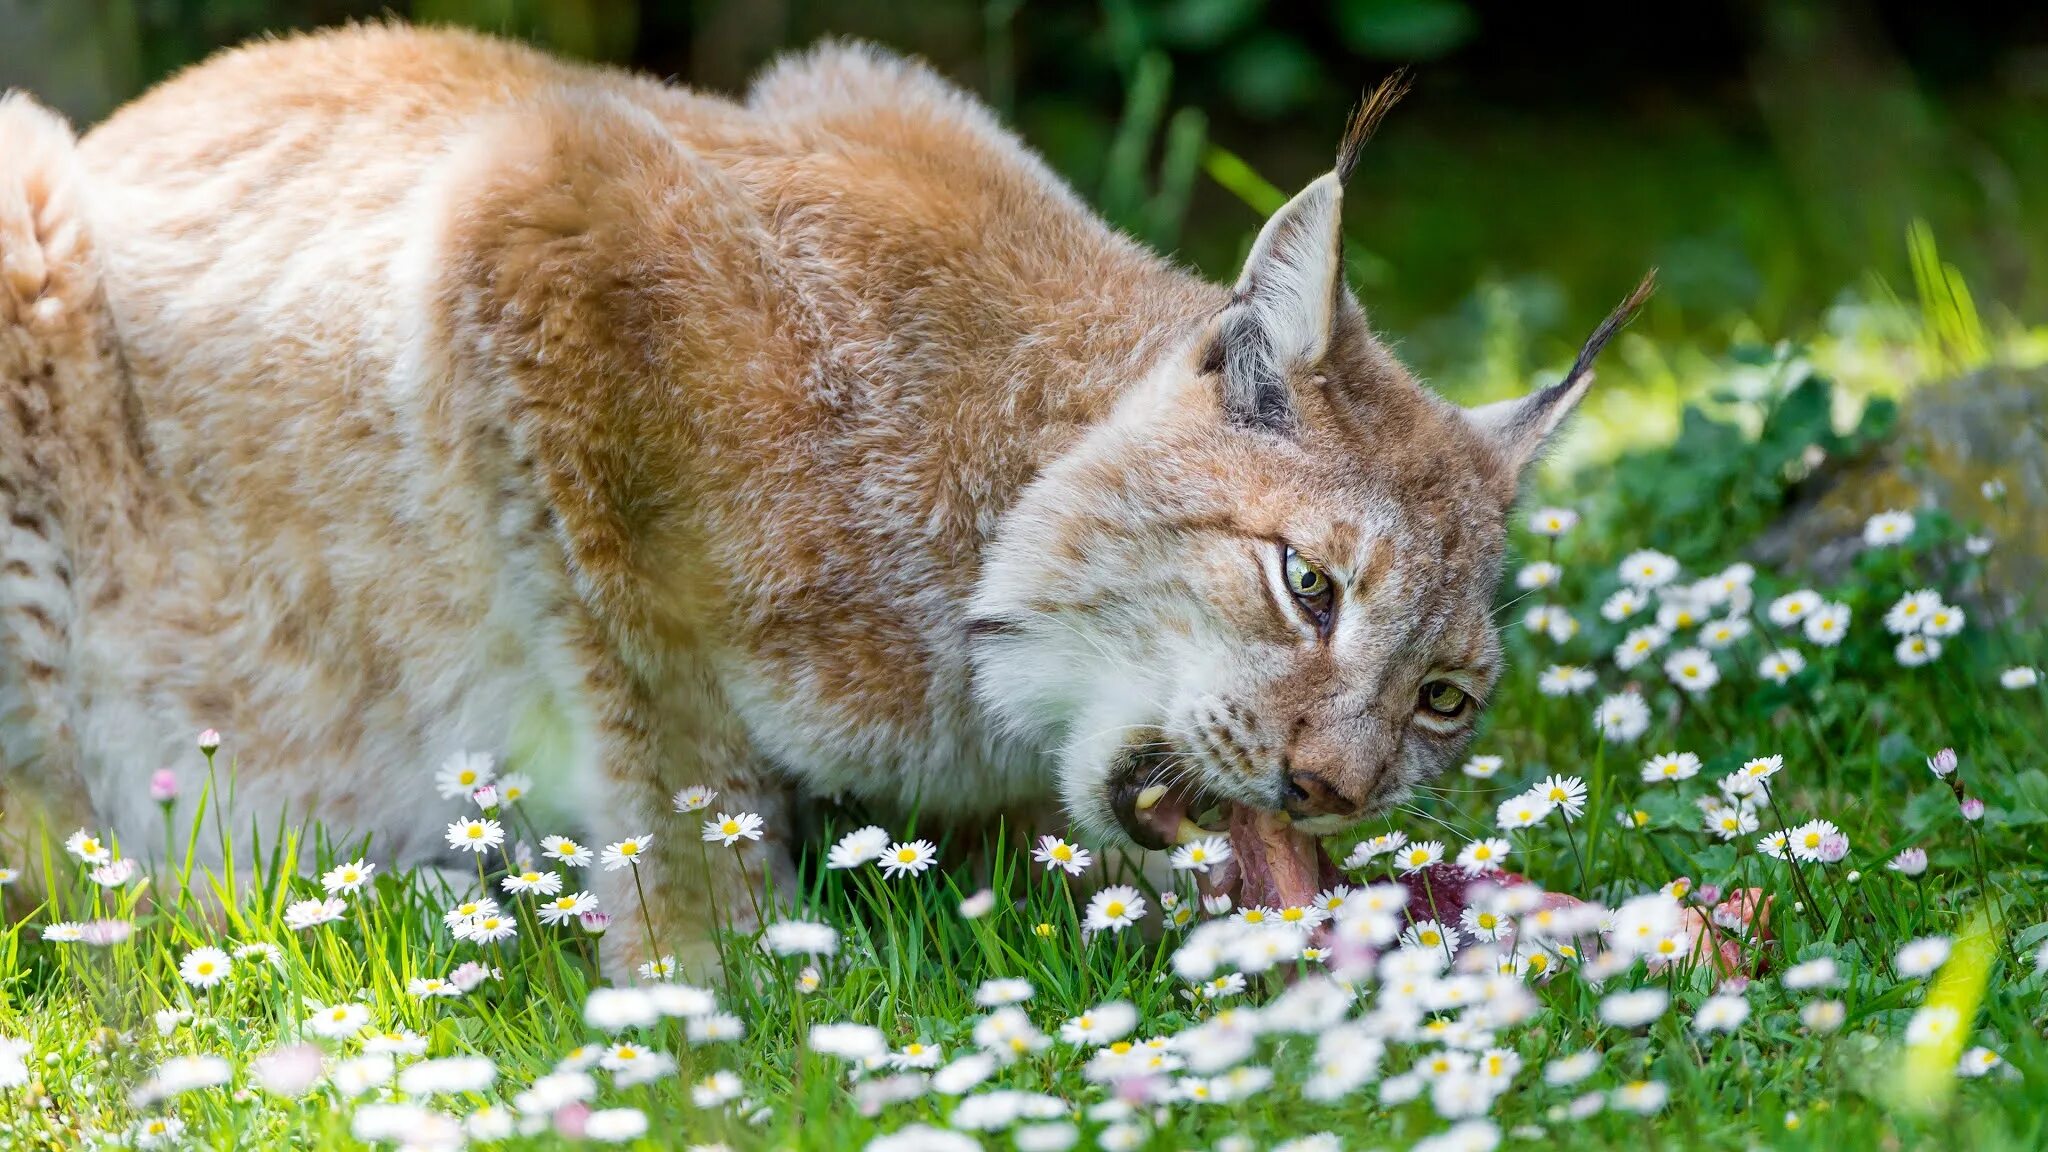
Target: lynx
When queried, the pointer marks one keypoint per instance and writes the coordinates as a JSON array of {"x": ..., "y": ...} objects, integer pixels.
[{"x": 385, "y": 395}]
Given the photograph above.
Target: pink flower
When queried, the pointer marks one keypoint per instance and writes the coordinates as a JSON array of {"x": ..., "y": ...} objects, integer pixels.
[
  {"x": 107, "y": 933},
  {"x": 163, "y": 786},
  {"x": 571, "y": 1118},
  {"x": 1833, "y": 848},
  {"x": 288, "y": 1071},
  {"x": 209, "y": 741},
  {"x": 116, "y": 873},
  {"x": 1708, "y": 893},
  {"x": 1973, "y": 809},
  {"x": 595, "y": 923},
  {"x": 1911, "y": 862},
  {"x": 1943, "y": 763},
  {"x": 486, "y": 797},
  {"x": 469, "y": 975},
  {"x": 1138, "y": 1091}
]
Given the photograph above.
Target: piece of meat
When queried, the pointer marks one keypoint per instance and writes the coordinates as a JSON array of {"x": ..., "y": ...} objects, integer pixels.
[{"x": 1279, "y": 866}]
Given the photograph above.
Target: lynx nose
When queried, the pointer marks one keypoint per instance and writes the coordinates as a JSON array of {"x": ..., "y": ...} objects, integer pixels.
[{"x": 1310, "y": 793}]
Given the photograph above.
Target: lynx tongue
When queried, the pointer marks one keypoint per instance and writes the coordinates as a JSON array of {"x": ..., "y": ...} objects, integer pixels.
[{"x": 1279, "y": 866}]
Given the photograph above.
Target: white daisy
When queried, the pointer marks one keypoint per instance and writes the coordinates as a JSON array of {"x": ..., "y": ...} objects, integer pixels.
[
  {"x": 1648, "y": 569},
  {"x": 475, "y": 835},
  {"x": 1564, "y": 680},
  {"x": 1914, "y": 651},
  {"x": 1432, "y": 936},
  {"x": 89, "y": 848},
  {"x": 302, "y": 914},
  {"x": 1622, "y": 717},
  {"x": 1887, "y": 529},
  {"x": 347, "y": 877},
  {"x": 1415, "y": 857},
  {"x": 1827, "y": 624},
  {"x": 1482, "y": 767},
  {"x": 1910, "y": 613},
  {"x": 1524, "y": 811},
  {"x": 625, "y": 853},
  {"x": 1552, "y": 521},
  {"x": 694, "y": 798},
  {"x": 1484, "y": 856},
  {"x": 565, "y": 850},
  {"x": 1200, "y": 854},
  {"x": 858, "y": 847},
  {"x": 1639, "y": 645},
  {"x": 1670, "y": 767},
  {"x": 1944, "y": 621},
  {"x": 1692, "y": 669},
  {"x": 462, "y": 774},
  {"x": 1567, "y": 794},
  {"x": 731, "y": 829},
  {"x": 1781, "y": 665},
  {"x": 1054, "y": 852},
  {"x": 1730, "y": 822},
  {"x": 204, "y": 967},
  {"x": 562, "y": 909},
  {"x": 1793, "y": 607},
  {"x": 1921, "y": 957},
  {"x": 908, "y": 858},
  {"x": 1724, "y": 632},
  {"x": 1625, "y": 602},
  {"x": 539, "y": 883},
  {"x": 1114, "y": 909}
]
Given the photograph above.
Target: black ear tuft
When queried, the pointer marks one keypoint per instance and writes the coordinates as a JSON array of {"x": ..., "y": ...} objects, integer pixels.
[
  {"x": 1615, "y": 322},
  {"x": 1365, "y": 120}
]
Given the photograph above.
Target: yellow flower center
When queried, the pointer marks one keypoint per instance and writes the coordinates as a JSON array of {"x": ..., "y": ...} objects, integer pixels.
[{"x": 1114, "y": 908}]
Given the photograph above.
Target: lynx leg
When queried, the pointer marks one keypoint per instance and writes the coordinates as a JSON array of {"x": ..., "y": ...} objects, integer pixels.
[
  {"x": 684, "y": 888},
  {"x": 61, "y": 456}
]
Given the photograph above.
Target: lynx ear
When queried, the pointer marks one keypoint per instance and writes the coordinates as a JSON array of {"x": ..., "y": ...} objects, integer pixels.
[
  {"x": 1520, "y": 427},
  {"x": 1288, "y": 297}
]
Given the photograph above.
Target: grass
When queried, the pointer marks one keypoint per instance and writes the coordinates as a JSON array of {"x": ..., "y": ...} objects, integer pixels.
[{"x": 94, "y": 1023}]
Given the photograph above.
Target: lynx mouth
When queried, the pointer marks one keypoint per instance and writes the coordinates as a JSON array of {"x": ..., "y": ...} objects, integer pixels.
[{"x": 1159, "y": 805}]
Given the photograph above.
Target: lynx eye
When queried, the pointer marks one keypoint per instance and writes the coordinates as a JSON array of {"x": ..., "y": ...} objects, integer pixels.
[
  {"x": 1309, "y": 584},
  {"x": 1444, "y": 698}
]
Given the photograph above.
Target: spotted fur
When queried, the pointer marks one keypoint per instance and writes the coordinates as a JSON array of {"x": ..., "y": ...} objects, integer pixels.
[{"x": 817, "y": 441}]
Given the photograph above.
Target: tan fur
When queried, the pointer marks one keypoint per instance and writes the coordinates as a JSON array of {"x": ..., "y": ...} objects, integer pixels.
[{"x": 454, "y": 384}]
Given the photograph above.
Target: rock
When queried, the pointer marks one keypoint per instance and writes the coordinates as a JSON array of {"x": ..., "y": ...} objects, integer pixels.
[{"x": 1949, "y": 440}]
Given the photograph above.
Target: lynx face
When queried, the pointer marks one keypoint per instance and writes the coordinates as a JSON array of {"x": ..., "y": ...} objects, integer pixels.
[{"x": 1264, "y": 585}]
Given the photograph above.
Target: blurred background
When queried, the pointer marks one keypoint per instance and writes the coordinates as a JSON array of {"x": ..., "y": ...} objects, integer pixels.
[{"x": 1858, "y": 185}]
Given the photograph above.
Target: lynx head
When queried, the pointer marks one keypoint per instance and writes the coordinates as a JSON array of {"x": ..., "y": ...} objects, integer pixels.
[{"x": 1264, "y": 583}]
